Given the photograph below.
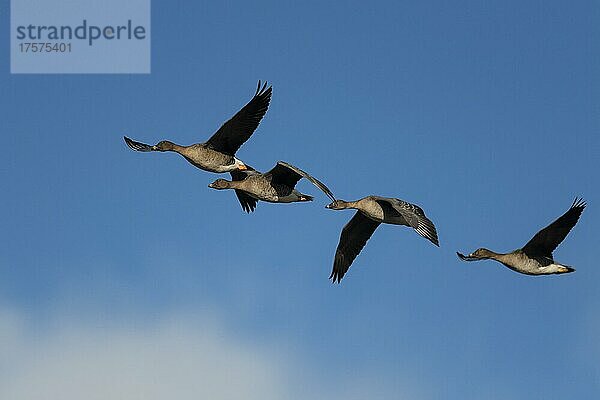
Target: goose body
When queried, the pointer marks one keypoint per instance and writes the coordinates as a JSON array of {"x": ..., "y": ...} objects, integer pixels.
[
  {"x": 274, "y": 186},
  {"x": 535, "y": 258},
  {"x": 520, "y": 262},
  {"x": 218, "y": 153},
  {"x": 260, "y": 187},
  {"x": 200, "y": 155},
  {"x": 371, "y": 212},
  {"x": 208, "y": 159}
]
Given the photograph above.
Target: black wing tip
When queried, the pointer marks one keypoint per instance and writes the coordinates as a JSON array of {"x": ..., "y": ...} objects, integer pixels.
[
  {"x": 336, "y": 277},
  {"x": 435, "y": 239},
  {"x": 428, "y": 231},
  {"x": 262, "y": 89},
  {"x": 137, "y": 146},
  {"x": 325, "y": 190},
  {"x": 248, "y": 208},
  {"x": 579, "y": 202},
  {"x": 433, "y": 236},
  {"x": 339, "y": 269}
]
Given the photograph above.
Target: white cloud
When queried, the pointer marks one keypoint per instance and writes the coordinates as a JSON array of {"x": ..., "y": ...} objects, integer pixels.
[
  {"x": 175, "y": 359},
  {"x": 183, "y": 357}
]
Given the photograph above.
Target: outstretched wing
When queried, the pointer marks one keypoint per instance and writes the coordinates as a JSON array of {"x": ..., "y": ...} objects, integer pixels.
[
  {"x": 413, "y": 215},
  {"x": 242, "y": 125},
  {"x": 545, "y": 241},
  {"x": 286, "y": 174},
  {"x": 247, "y": 202},
  {"x": 353, "y": 238},
  {"x": 137, "y": 146}
]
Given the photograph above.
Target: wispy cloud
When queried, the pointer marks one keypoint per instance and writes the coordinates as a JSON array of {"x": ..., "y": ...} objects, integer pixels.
[{"x": 181, "y": 357}]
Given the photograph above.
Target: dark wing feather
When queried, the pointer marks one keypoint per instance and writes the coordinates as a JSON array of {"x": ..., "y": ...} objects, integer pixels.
[
  {"x": 247, "y": 202},
  {"x": 414, "y": 216},
  {"x": 242, "y": 125},
  {"x": 137, "y": 146},
  {"x": 353, "y": 238},
  {"x": 547, "y": 240},
  {"x": 286, "y": 174},
  {"x": 282, "y": 175}
]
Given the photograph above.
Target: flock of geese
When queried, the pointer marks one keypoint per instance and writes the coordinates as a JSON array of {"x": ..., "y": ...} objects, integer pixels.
[{"x": 278, "y": 186}]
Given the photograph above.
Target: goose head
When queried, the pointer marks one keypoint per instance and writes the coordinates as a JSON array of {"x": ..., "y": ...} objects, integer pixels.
[
  {"x": 164, "y": 145},
  {"x": 220, "y": 184},
  {"x": 337, "y": 205},
  {"x": 479, "y": 254}
]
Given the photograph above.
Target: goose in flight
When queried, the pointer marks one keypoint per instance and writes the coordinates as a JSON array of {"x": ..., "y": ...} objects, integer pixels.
[
  {"x": 535, "y": 258},
  {"x": 371, "y": 212},
  {"x": 218, "y": 153},
  {"x": 274, "y": 186}
]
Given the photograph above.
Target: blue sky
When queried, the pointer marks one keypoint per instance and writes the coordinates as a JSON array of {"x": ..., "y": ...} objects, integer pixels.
[{"x": 123, "y": 272}]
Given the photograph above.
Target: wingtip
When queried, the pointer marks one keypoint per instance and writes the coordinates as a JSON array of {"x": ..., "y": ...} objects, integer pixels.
[
  {"x": 262, "y": 88},
  {"x": 335, "y": 278},
  {"x": 337, "y": 272},
  {"x": 137, "y": 146},
  {"x": 248, "y": 208},
  {"x": 129, "y": 142},
  {"x": 434, "y": 237},
  {"x": 579, "y": 202},
  {"x": 257, "y": 88}
]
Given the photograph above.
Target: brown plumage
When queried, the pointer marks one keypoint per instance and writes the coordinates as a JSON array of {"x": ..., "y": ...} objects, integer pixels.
[
  {"x": 217, "y": 154},
  {"x": 535, "y": 258},
  {"x": 371, "y": 212},
  {"x": 275, "y": 186}
]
